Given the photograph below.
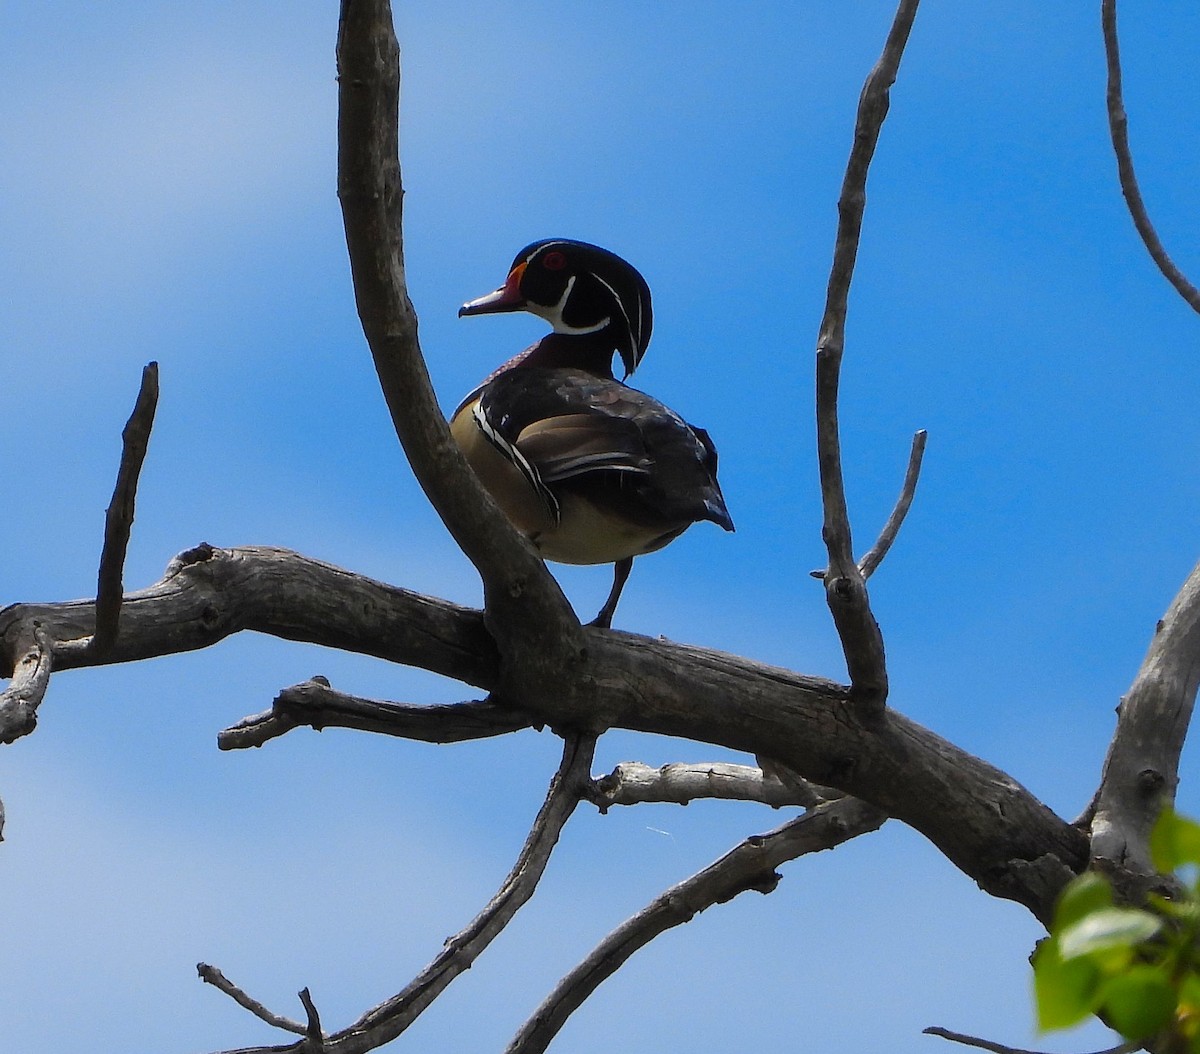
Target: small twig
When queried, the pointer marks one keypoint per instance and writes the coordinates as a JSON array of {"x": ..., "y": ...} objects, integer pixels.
[
  {"x": 314, "y": 704},
  {"x": 632, "y": 783},
  {"x": 749, "y": 866},
  {"x": 874, "y": 557},
  {"x": 845, "y": 588},
  {"x": 1000, "y": 1048},
  {"x": 211, "y": 975},
  {"x": 118, "y": 519},
  {"x": 19, "y": 702},
  {"x": 1118, "y": 127}
]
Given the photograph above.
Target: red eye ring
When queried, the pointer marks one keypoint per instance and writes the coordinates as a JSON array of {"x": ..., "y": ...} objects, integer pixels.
[{"x": 554, "y": 261}]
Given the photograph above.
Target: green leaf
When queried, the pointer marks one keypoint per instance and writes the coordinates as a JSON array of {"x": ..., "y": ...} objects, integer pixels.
[
  {"x": 1106, "y": 931},
  {"x": 1174, "y": 841},
  {"x": 1140, "y": 1002},
  {"x": 1067, "y": 991},
  {"x": 1081, "y": 896},
  {"x": 1189, "y": 992}
]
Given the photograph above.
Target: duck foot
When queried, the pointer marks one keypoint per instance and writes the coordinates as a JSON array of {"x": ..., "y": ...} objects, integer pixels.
[{"x": 621, "y": 571}]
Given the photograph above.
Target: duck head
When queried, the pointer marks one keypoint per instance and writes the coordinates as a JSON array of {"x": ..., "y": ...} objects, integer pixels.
[{"x": 581, "y": 290}]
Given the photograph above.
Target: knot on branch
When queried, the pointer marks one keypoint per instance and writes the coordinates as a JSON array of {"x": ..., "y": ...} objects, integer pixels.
[{"x": 198, "y": 554}]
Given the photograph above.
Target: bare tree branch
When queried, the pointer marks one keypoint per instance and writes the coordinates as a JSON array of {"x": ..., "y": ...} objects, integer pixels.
[
  {"x": 527, "y": 609},
  {"x": 632, "y": 783},
  {"x": 1000, "y": 1048},
  {"x": 1141, "y": 770},
  {"x": 316, "y": 1037},
  {"x": 750, "y": 865},
  {"x": 207, "y": 594},
  {"x": 1118, "y": 127},
  {"x": 874, "y": 557},
  {"x": 314, "y": 704},
  {"x": 118, "y": 520},
  {"x": 845, "y": 588},
  {"x": 211, "y": 975},
  {"x": 19, "y": 702},
  {"x": 983, "y": 820},
  {"x": 389, "y": 1019}
]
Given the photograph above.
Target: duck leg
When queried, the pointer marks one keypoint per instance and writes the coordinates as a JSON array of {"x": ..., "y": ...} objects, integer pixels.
[{"x": 621, "y": 571}]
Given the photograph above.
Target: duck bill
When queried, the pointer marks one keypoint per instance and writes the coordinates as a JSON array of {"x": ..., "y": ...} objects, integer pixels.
[{"x": 507, "y": 298}]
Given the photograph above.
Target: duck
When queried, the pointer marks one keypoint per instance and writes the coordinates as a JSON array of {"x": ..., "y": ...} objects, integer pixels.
[{"x": 589, "y": 469}]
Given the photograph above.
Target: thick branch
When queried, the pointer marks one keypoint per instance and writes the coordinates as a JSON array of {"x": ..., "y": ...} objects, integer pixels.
[
  {"x": 523, "y": 598},
  {"x": 1142, "y": 767},
  {"x": 983, "y": 820},
  {"x": 845, "y": 587},
  {"x": 750, "y": 865},
  {"x": 1118, "y": 127},
  {"x": 118, "y": 519},
  {"x": 208, "y": 594},
  {"x": 315, "y": 705}
]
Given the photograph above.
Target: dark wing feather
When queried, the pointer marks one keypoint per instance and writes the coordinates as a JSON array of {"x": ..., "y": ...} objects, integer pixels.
[
  {"x": 577, "y": 429},
  {"x": 572, "y": 444}
]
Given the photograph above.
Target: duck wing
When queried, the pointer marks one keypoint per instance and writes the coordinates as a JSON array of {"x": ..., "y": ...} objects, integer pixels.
[{"x": 579, "y": 431}]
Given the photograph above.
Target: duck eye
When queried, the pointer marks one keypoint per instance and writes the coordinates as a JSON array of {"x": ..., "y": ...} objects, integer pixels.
[{"x": 554, "y": 261}]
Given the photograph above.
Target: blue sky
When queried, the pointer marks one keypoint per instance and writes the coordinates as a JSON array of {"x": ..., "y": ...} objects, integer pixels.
[{"x": 169, "y": 194}]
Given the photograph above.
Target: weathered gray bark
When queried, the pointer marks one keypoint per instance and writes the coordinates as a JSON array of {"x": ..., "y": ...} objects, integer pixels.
[{"x": 539, "y": 667}]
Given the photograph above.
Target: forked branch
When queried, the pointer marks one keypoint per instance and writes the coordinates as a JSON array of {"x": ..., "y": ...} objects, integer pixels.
[
  {"x": 389, "y": 1019},
  {"x": 845, "y": 586},
  {"x": 522, "y": 597}
]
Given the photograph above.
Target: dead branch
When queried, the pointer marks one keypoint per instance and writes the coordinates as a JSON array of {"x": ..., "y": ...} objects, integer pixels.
[
  {"x": 390, "y": 1018},
  {"x": 206, "y": 594},
  {"x": 118, "y": 519},
  {"x": 874, "y": 557},
  {"x": 984, "y": 821},
  {"x": 749, "y": 866},
  {"x": 1118, "y": 127},
  {"x": 1141, "y": 770},
  {"x": 211, "y": 975},
  {"x": 632, "y": 783},
  {"x": 527, "y": 610},
  {"x": 845, "y": 587},
  {"x": 30, "y": 672},
  {"x": 1000, "y": 1048},
  {"x": 314, "y": 704}
]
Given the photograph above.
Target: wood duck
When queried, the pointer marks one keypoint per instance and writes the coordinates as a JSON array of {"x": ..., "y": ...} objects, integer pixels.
[{"x": 590, "y": 470}]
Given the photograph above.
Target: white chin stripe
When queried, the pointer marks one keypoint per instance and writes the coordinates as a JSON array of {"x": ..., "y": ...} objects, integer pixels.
[{"x": 554, "y": 314}]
